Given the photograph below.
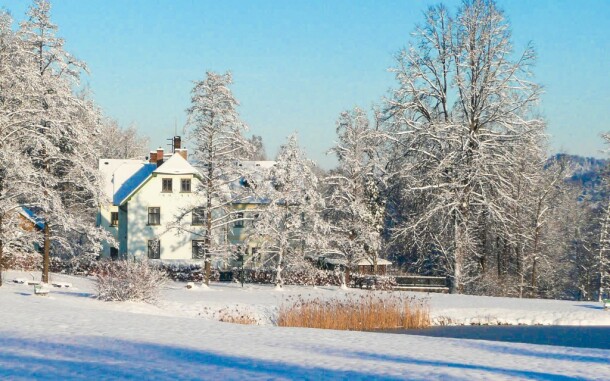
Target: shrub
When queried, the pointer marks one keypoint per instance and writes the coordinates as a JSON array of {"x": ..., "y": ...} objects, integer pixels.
[
  {"x": 236, "y": 316},
  {"x": 129, "y": 280},
  {"x": 370, "y": 311}
]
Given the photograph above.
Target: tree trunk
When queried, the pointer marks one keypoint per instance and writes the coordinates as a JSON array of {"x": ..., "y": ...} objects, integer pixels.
[
  {"x": 278, "y": 271},
  {"x": 46, "y": 255},
  {"x": 458, "y": 258},
  {"x": 1, "y": 250},
  {"x": 208, "y": 228}
]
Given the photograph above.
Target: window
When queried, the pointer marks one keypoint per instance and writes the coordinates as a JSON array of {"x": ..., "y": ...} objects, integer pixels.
[
  {"x": 198, "y": 216},
  {"x": 167, "y": 186},
  {"x": 114, "y": 253},
  {"x": 114, "y": 218},
  {"x": 256, "y": 257},
  {"x": 154, "y": 216},
  {"x": 154, "y": 249},
  {"x": 240, "y": 220},
  {"x": 185, "y": 185},
  {"x": 198, "y": 249}
]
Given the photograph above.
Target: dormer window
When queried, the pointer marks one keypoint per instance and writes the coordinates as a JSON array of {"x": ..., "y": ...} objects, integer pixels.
[
  {"x": 167, "y": 186},
  {"x": 185, "y": 185}
]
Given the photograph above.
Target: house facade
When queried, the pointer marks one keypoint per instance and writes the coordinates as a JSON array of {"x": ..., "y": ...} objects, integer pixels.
[{"x": 154, "y": 210}]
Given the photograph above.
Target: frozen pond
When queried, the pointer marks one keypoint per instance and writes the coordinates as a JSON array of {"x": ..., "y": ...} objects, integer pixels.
[{"x": 567, "y": 336}]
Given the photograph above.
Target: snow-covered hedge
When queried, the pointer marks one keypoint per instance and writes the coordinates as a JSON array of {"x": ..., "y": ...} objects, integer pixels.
[
  {"x": 22, "y": 261},
  {"x": 129, "y": 280},
  {"x": 376, "y": 282},
  {"x": 194, "y": 272}
]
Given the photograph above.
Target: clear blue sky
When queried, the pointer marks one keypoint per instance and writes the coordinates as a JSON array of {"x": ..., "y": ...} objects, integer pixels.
[{"x": 298, "y": 64}]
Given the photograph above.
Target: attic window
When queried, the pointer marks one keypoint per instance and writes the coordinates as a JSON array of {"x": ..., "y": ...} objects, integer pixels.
[
  {"x": 167, "y": 186},
  {"x": 185, "y": 185}
]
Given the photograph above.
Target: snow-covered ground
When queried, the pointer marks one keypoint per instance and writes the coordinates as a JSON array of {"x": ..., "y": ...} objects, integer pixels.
[{"x": 70, "y": 335}]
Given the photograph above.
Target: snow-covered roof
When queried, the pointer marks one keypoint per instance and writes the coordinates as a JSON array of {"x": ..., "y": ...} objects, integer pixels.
[
  {"x": 31, "y": 216},
  {"x": 369, "y": 262},
  {"x": 176, "y": 165},
  {"x": 108, "y": 167},
  {"x": 128, "y": 178}
]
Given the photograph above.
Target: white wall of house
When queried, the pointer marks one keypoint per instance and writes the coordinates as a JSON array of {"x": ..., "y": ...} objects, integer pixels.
[
  {"x": 174, "y": 243},
  {"x": 114, "y": 172},
  {"x": 104, "y": 221}
]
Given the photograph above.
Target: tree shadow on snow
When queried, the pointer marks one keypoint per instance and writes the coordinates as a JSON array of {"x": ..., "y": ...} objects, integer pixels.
[
  {"x": 101, "y": 358},
  {"x": 463, "y": 366},
  {"x": 73, "y": 293},
  {"x": 591, "y": 306}
]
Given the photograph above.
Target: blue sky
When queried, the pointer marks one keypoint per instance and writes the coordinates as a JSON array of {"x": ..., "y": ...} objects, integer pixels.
[{"x": 298, "y": 64}]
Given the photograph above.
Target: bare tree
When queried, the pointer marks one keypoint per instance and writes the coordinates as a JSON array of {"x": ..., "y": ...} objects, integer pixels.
[
  {"x": 121, "y": 143},
  {"x": 464, "y": 113}
]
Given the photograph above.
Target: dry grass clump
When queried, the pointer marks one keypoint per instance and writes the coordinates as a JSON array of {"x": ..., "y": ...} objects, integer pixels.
[
  {"x": 236, "y": 316},
  {"x": 371, "y": 311}
]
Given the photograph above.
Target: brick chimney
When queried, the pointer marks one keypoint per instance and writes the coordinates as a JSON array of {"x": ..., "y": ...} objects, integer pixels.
[
  {"x": 152, "y": 157},
  {"x": 177, "y": 143},
  {"x": 159, "y": 156}
]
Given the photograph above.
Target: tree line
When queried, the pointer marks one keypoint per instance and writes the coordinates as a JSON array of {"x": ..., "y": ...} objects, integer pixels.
[{"x": 448, "y": 175}]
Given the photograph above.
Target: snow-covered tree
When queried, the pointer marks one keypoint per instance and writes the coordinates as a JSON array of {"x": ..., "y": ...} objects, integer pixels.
[
  {"x": 115, "y": 142},
  {"x": 256, "y": 150},
  {"x": 59, "y": 141},
  {"x": 464, "y": 112},
  {"x": 603, "y": 259},
  {"x": 355, "y": 202},
  {"x": 291, "y": 227},
  {"x": 16, "y": 109},
  {"x": 218, "y": 142}
]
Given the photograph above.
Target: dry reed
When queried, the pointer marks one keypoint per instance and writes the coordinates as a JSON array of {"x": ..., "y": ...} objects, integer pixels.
[{"x": 371, "y": 311}]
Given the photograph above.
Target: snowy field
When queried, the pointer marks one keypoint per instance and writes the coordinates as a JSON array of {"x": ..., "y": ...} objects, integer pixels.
[{"x": 70, "y": 335}]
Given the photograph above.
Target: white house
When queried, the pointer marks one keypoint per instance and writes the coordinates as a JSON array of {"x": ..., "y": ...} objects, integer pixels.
[
  {"x": 154, "y": 211},
  {"x": 118, "y": 177}
]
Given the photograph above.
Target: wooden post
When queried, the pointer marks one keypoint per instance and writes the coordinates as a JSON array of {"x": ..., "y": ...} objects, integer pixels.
[{"x": 46, "y": 258}]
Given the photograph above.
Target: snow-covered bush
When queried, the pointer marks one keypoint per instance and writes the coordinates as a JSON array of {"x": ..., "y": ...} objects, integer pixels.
[{"x": 129, "y": 280}]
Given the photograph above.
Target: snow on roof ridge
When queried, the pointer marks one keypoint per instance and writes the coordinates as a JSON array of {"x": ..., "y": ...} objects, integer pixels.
[{"x": 176, "y": 165}]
